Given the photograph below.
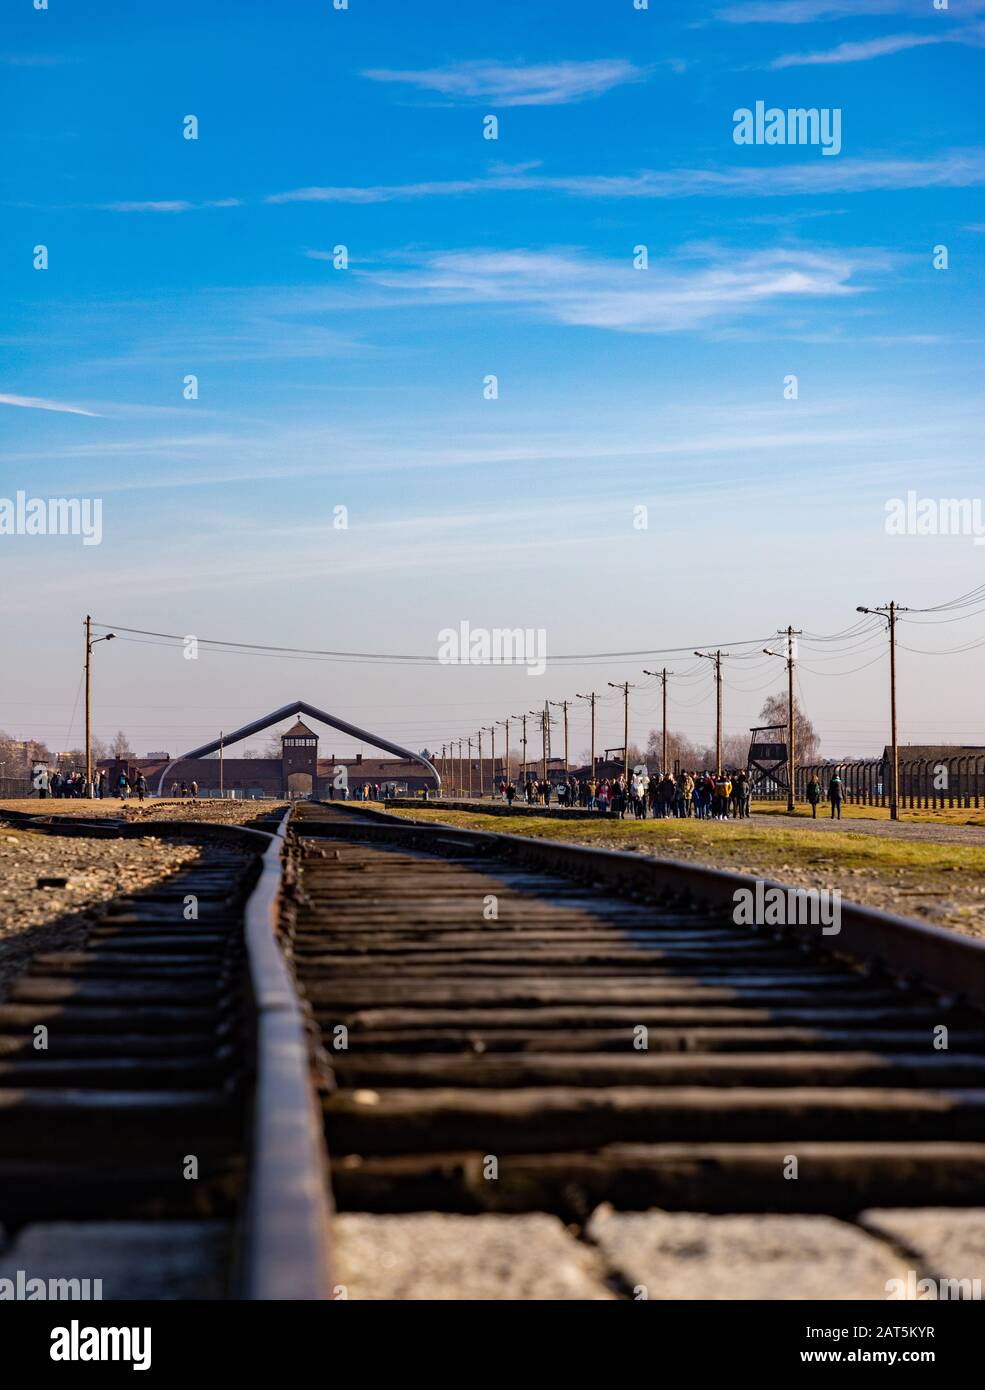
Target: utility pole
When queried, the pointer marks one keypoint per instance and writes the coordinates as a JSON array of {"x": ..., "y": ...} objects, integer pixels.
[
  {"x": 90, "y": 643},
  {"x": 506, "y": 759},
  {"x": 592, "y": 697},
  {"x": 717, "y": 659},
  {"x": 491, "y": 731},
  {"x": 563, "y": 704},
  {"x": 625, "y": 687},
  {"x": 469, "y": 741},
  {"x": 790, "y": 634},
  {"x": 222, "y": 785},
  {"x": 662, "y": 676},
  {"x": 523, "y": 745},
  {"x": 890, "y": 611},
  {"x": 541, "y": 714}
]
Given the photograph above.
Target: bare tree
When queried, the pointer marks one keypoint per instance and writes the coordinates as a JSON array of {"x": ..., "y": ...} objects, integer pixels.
[
  {"x": 120, "y": 745},
  {"x": 774, "y": 711}
]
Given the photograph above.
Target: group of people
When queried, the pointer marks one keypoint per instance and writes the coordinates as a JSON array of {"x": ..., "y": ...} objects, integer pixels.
[
  {"x": 836, "y": 795},
  {"x": 71, "y": 784},
  {"x": 369, "y": 791},
  {"x": 705, "y": 795},
  {"x": 178, "y": 789}
]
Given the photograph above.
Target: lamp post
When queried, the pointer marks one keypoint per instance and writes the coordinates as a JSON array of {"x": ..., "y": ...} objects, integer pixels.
[
  {"x": 592, "y": 697},
  {"x": 791, "y": 728},
  {"x": 889, "y": 611},
  {"x": 716, "y": 657},
  {"x": 663, "y": 679},
  {"x": 90, "y": 643},
  {"x": 625, "y": 687}
]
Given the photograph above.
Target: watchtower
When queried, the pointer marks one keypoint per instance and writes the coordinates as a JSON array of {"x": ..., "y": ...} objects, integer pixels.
[
  {"x": 299, "y": 760},
  {"x": 767, "y": 760}
]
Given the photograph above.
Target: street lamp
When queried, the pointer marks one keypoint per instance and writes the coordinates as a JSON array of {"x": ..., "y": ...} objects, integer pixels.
[
  {"x": 889, "y": 611},
  {"x": 90, "y": 643}
]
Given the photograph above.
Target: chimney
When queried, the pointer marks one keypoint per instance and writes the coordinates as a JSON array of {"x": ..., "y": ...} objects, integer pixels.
[{"x": 359, "y": 757}]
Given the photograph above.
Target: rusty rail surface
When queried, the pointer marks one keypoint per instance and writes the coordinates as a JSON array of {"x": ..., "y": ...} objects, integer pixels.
[
  {"x": 162, "y": 1027},
  {"x": 512, "y": 1038}
]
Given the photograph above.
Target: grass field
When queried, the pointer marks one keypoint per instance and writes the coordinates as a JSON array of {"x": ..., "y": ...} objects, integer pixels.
[
  {"x": 947, "y": 816},
  {"x": 942, "y": 883}
]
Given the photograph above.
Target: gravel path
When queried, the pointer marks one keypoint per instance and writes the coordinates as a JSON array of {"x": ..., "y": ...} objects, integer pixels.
[
  {"x": 892, "y": 830},
  {"x": 86, "y": 874}
]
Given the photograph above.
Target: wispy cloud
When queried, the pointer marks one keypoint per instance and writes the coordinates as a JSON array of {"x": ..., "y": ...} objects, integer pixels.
[
  {"x": 709, "y": 286},
  {"x": 39, "y": 403},
  {"x": 169, "y": 205},
  {"x": 957, "y": 169},
  {"x": 857, "y": 52},
  {"x": 972, "y": 34},
  {"x": 810, "y": 11},
  {"x": 517, "y": 84}
]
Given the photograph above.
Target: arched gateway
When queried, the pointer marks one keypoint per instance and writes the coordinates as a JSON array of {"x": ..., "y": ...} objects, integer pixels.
[{"x": 300, "y": 752}]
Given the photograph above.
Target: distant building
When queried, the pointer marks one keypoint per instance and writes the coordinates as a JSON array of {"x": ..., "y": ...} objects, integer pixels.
[{"x": 297, "y": 774}]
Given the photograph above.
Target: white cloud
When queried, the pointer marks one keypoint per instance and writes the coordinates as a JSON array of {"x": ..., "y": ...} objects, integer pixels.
[
  {"x": 39, "y": 403},
  {"x": 858, "y": 52},
  {"x": 811, "y": 11},
  {"x": 671, "y": 296},
  {"x": 517, "y": 84},
  {"x": 169, "y": 205},
  {"x": 861, "y": 52},
  {"x": 955, "y": 169}
]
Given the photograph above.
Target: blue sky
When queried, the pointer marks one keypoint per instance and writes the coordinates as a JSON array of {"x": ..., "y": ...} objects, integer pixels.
[{"x": 363, "y": 387}]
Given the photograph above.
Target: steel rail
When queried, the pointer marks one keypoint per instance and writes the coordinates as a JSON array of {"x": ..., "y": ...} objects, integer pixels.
[
  {"x": 284, "y": 1247},
  {"x": 948, "y": 961}
]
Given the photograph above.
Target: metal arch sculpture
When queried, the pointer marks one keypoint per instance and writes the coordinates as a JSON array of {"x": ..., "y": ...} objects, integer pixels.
[{"x": 298, "y": 707}]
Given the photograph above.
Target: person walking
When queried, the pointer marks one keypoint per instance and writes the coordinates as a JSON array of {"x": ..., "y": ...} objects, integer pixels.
[
  {"x": 123, "y": 786},
  {"x": 835, "y": 794},
  {"x": 141, "y": 786},
  {"x": 510, "y": 793},
  {"x": 814, "y": 795}
]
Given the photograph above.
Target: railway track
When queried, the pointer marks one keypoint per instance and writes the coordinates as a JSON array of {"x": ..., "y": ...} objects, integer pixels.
[
  {"x": 509, "y": 1025},
  {"x": 156, "y": 1121}
]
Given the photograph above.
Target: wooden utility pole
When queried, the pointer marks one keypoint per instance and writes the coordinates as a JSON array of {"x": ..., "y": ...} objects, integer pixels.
[
  {"x": 491, "y": 731},
  {"x": 592, "y": 697},
  {"x": 541, "y": 714},
  {"x": 891, "y": 611},
  {"x": 563, "y": 705},
  {"x": 790, "y": 658},
  {"x": 88, "y": 705},
  {"x": 506, "y": 759},
  {"x": 523, "y": 745},
  {"x": 792, "y": 735},
  {"x": 625, "y": 687},
  {"x": 469, "y": 742},
  {"x": 222, "y": 785},
  {"x": 716, "y": 657},
  {"x": 662, "y": 677},
  {"x": 90, "y": 643}
]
